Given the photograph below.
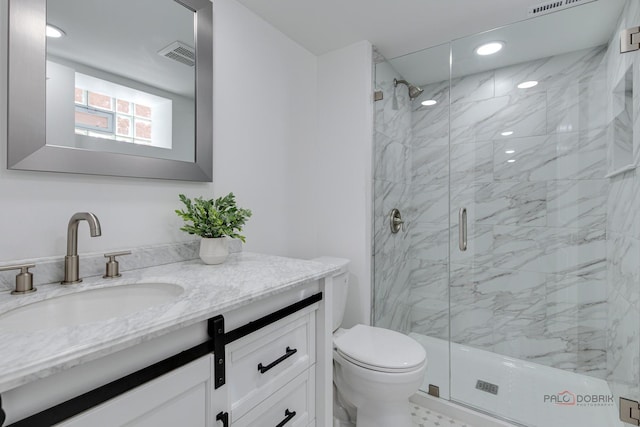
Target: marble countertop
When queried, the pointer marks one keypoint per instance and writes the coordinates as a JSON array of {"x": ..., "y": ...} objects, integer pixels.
[{"x": 208, "y": 290}]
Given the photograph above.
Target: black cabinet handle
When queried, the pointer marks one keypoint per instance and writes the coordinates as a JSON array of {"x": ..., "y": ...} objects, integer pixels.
[
  {"x": 288, "y": 416},
  {"x": 224, "y": 417},
  {"x": 3, "y": 416},
  {"x": 289, "y": 352}
]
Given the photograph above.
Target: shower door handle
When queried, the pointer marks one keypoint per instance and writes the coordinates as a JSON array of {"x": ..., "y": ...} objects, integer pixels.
[{"x": 462, "y": 229}]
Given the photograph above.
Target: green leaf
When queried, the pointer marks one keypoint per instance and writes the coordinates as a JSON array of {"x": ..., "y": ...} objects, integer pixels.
[{"x": 213, "y": 218}]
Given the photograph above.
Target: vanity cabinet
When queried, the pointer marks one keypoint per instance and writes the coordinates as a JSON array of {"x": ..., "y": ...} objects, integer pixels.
[
  {"x": 271, "y": 373},
  {"x": 179, "y": 398},
  {"x": 269, "y": 366},
  {"x": 270, "y": 381}
]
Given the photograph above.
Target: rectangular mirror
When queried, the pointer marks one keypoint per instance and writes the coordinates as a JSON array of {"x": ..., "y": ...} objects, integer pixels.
[{"x": 126, "y": 90}]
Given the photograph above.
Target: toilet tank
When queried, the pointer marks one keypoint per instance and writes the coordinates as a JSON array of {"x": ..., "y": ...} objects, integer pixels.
[{"x": 340, "y": 286}]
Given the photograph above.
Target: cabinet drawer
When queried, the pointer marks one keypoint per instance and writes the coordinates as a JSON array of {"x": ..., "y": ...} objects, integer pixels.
[
  {"x": 291, "y": 406},
  {"x": 263, "y": 362},
  {"x": 177, "y": 398}
]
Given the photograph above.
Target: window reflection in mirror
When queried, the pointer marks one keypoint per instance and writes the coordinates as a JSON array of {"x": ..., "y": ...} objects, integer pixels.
[{"x": 121, "y": 78}]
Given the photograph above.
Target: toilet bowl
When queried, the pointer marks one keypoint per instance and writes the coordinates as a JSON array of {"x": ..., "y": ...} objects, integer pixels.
[{"x": 375, "y": 370}]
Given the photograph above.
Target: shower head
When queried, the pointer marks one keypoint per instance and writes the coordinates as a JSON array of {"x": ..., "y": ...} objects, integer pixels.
[{"x": 414, "y": 91}]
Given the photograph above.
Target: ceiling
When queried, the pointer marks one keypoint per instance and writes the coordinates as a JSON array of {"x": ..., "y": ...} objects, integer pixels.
[
  {"x": 588, "y": 25},
  {"x": 123, "y": 37},
  {"x": 395, "y": 27},
  {"x": 403, "y": 30}
]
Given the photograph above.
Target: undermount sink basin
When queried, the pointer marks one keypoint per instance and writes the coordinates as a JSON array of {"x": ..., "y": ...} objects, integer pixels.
[{"x": 88, "y": 306}]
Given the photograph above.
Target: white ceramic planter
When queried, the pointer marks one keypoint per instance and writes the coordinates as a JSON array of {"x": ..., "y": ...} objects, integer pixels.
[{"x": 214, "y": 250}]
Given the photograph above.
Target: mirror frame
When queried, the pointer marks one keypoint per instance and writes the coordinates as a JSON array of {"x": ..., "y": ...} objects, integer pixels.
[{"x": 26, "y": 134}]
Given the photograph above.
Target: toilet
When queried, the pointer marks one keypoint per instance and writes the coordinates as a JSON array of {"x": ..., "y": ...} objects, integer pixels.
[{"x": 375, "y": 370}]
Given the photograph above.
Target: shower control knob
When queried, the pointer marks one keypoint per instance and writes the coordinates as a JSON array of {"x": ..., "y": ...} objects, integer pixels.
[{"x": 395, "y": 221}]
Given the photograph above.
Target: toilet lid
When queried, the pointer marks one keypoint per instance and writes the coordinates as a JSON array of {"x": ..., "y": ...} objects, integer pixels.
[{"x": 380, "y": 349}]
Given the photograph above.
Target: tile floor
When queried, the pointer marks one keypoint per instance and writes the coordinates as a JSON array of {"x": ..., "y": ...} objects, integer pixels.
[{"x": 423, "y": 417}]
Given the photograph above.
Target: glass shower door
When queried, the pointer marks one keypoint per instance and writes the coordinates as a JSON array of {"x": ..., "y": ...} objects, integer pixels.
[
  {"x": 544, "y": 248},
  {"x": 411, "y": 174}
]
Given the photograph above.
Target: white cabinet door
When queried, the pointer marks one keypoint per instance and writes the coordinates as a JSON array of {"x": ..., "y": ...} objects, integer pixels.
[{"x": 179, "y": 398}]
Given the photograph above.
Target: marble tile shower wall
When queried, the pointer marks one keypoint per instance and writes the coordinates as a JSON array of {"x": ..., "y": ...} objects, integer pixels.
[
  {"x": 623, "y": 221},
  {"x": 552, "y": 273},
  {"x": 532, "y": 284},
  {"x": 392, "y": 179}
]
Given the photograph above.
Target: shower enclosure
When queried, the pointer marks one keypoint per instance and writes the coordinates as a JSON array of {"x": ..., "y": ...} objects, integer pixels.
[{"x": 516, "y": 260}]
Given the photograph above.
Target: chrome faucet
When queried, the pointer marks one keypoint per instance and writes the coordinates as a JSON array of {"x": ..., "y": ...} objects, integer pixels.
[{"x": 71, "y": 261}]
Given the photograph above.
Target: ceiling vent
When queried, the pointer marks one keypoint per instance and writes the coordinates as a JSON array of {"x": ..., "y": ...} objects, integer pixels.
[
  {"x": 554, "y": 6},
  {"x": 180, "y": 52}
]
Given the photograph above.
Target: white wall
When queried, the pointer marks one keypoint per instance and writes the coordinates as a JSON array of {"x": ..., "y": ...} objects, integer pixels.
[
  {"x": 308, "y": 180},
  {"x": 261, "y": 111},
  {"x": 344, "y": 158},
  {"x": 300, "y": 161},
  {"x": 264, "y": 115}
]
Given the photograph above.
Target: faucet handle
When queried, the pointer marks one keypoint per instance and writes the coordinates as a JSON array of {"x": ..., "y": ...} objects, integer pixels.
[
  {"x": 24, "y": 279},
  {"x": 113, "y": 267}
]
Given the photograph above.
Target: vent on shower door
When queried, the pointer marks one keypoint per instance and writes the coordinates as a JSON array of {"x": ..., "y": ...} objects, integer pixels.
[
  {"x": 555, "y": 5},
  {"x": 180, "y": 52}
]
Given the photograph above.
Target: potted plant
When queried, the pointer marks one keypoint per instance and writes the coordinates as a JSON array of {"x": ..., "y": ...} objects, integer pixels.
[{"x": 213, "y": 220}]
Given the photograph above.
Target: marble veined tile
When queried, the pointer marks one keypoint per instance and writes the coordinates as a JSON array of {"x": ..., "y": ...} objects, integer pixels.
[
  {"x": 550, "y": 250},
  {"x": 511, "y": 203},
  {"x": 431, "y": 241},
  {"x": 623, "y": 364},
  {"x": 429, "y": 279},
  {"x": 583, "y": 328},
  {"x": 392, "y": 285},
  {"x": 395, "y": 316},
  {"x": 428, "y": 203},
  {"x": 392, "y": 161},
  {"x": 523, "y": 338},
  {"x": 479, "y": 244},
  {"x": 563, "y": 108},
  {"x": 438, "y": 91},
  {"x": 389, "y": 195},
  {"x": 622, "y": 204},
  {"x": 430, "y": 125},
  {"x": 556, "y": 156},
  {"x": 577, "y": 203},
  {"x": 472, "y": 325},
  {"x": 594, "y": 101},
  {"x": 623, "y": 271},
  {"x": 393, "y": 117},
  {"x": 384, "y": 242},
  {"x": 471, "y": 162},
  {"x": 474, "y": 87},
  {"x": 554, "y": 71},
  {"x": 430, "y": 165},
  {"x": 432, "y": 320},
  {"x": 516, "y": 293},
  {"x": 487, "y": 119},
  {"x": 430, "y": 298},
  {"x": 566, "y": 291}
]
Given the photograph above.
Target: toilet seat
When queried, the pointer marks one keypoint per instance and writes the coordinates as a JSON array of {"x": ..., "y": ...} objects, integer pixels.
[{"x": 380, "y": 349}]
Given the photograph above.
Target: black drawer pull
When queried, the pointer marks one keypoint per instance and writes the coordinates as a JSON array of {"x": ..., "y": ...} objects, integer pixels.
[
  {"x": 224, "y": 417},
  {"x": 290, "y": 352},
  {"x": 288, "y": 416}
]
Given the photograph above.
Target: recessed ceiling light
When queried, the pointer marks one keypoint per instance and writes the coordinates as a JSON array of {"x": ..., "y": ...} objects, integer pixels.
[
  {"x": 528, "y": 84},
  {"x": 511, "y": 160},
  {"x": 429, "y": 102},
  {"x": 489, "y": 48},
  {"x": 507, "y": 133},
  {"x": 54, "y": 32},
  {"x": 510, "y": 151}
]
